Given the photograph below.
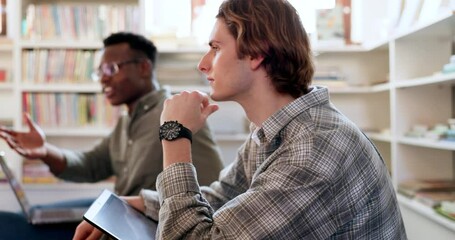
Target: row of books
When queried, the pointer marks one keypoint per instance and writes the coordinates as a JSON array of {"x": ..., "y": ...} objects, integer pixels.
[
  {"x": 59, "y": 65},
  {"x": 36, "y": 171},
  {"x": 4, "y": 75},
  {"x": 436, "y": 194},
  {"x": 70, "y": 109},
  {"x": 329, "y": 76},
  {"x": 180, "y": 70},
  {"x": 450, "y": 67},
  {"x": 88, "y": 21}
]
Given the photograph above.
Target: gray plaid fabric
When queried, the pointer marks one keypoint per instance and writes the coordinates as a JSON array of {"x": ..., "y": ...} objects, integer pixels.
[{"x": 313, "y": 176}]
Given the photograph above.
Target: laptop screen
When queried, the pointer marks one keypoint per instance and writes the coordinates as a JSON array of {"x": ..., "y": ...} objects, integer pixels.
[{"x": 15, "y": 186}]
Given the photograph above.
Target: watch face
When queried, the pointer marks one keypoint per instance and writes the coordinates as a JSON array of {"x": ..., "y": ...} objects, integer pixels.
[{"x": 170, "y": 130}]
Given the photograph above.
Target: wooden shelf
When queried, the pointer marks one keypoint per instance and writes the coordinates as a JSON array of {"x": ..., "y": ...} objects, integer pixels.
[
  {"x": 6, "y": 86},
  {"x": 180, "y": 88},
  {"x": 78, "y": 132},
  {"x": 437, "y": 79},
  {"x": 235, "y": 137},
  {"x": 6, "y": 45},
  {"x": 434, "y": 27},
  {"x": 428, "y": 143},
  {"x": 384, "y": 87},
  {"x": 6, "y": 48},
  {"x": 61, "y": 44},
  {"x": 426, "y": 211},
  {"x": 64, "y": 87},
  {"x": 379, "y": 136},
  {"x": 61, "y": 186}
]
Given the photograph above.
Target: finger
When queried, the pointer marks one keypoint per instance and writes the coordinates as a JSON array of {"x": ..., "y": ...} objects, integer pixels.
[
  {"x": 83, "y": 230},
  {"x": 4, "y": 135},
  {"x": 16, "y": 147},
  {"x": 11, "y": 142},
  {"x": 30, "y": 122},
  {"x": 7, "y": 131},
  {"x": 205, "y": 101},
  {"x": 208, "y": 110},
  {"x": 95, "y": 234}
]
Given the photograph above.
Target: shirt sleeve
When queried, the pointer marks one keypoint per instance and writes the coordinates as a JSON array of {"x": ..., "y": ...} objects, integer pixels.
[
  {"x": 151, "y": 202},
  {"x": 206, "y": 157},
  {"x": 231, "y": 183},
  {"x": 271, "y": 208},
  {"x": 89, "y": 166}
]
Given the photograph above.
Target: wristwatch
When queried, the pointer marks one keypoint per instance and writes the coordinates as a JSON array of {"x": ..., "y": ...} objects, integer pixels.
[{"x": 172, "y": 130}]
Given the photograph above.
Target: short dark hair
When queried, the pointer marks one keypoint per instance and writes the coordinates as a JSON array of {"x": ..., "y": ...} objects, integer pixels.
[
  {"x": 273, "y": 29},
  {"x": 135, "y": 41}
]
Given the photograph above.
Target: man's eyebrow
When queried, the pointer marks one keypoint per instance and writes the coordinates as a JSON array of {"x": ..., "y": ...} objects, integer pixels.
[{"x": 212, "y": 42}]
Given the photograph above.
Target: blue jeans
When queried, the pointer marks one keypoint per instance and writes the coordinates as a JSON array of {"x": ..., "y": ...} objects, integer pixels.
[{"x": 15, "y": 225}]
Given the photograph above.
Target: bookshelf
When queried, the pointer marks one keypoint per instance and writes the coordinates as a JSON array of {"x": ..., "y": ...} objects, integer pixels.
[
  {"x": 422, "y": 95},
  {"x": 393, "y": 85},
  {"x": 56, "y": 62},
  {"x": 52, "y": 59}
]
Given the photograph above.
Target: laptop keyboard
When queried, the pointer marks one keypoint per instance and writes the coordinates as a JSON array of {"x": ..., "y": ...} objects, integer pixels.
[{"x": 64, "y": 214}]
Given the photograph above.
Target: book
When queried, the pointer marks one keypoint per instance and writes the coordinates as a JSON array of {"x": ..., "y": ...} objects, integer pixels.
[
  {"x": 3, "y": 18},
  {"x": 446, "y": 209},
  {"x": 448, "y": 68},
  {"x": 411, "y": 187},
  {"x": 3, "y": 75},
  {"x": 329, "y": 23},
  {"x": 434, "y": 199},
  {"x": 35, "y": 171},
  {"x": 329, "y": 76}
]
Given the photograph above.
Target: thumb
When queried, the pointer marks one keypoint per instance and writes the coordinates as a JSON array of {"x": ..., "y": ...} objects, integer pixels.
[{"x": 31, "y": 124}]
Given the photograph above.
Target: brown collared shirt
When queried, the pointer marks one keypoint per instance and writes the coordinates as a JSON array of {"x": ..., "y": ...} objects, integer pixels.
[{"x": 133, "y": 152}]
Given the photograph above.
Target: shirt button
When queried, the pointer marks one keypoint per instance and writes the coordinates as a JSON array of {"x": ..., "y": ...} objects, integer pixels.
[
  {"x": 130, "y": 142},
  {"x": 146, "y": 107}
]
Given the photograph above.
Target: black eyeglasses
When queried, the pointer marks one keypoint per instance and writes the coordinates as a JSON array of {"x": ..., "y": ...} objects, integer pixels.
[{"x": 110, "y": 69}]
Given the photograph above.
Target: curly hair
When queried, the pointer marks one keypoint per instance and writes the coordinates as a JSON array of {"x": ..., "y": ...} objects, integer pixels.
[{"x": 136, "y": 42}]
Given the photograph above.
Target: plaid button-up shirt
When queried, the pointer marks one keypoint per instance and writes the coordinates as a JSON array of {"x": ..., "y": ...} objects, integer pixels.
[{"x": 313, "y": 175}]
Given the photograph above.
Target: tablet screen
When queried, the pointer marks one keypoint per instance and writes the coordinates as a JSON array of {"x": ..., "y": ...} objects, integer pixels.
[{"x": 118, "y": 219}]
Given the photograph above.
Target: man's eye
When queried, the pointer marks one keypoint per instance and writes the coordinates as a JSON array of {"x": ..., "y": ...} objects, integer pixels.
[{"x": 111, "y": 69}]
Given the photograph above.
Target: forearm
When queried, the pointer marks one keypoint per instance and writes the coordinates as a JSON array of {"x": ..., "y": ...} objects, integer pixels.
[
  {"x": 177, "y": 151},
  {"x": 54, "y": 158}
]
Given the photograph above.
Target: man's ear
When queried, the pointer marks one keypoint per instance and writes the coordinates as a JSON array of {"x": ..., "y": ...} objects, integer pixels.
[
  {"x": 146, "y": 67},
  {"x": 255, "y": 62}
]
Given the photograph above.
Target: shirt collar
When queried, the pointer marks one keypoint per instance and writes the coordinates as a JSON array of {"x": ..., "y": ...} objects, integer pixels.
[
  {"x": 275, "y": 123},
  {"x": 149, "y": 101}
]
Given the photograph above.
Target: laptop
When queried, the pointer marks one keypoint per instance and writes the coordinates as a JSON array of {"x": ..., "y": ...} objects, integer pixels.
[{"x": 38, "y": 216}]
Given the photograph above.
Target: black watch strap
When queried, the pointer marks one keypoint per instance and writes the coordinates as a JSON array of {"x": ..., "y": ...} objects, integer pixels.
[{"x": 172, "y": 130}]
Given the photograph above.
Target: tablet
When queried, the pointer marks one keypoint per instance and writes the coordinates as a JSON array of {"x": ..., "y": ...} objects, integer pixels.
[{"x": 118, "y": 219}]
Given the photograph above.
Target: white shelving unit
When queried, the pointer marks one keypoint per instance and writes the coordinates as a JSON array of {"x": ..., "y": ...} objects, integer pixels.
[
  {"x": 74, "y": 138},
  {"x": 6, "y": 85},
  {"x": 415, "y": 93},
  {"x": 421, "y": 95}
]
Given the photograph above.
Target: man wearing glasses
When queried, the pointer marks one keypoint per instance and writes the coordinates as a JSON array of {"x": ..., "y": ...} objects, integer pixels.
[{"x": 132, "y": 152}]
